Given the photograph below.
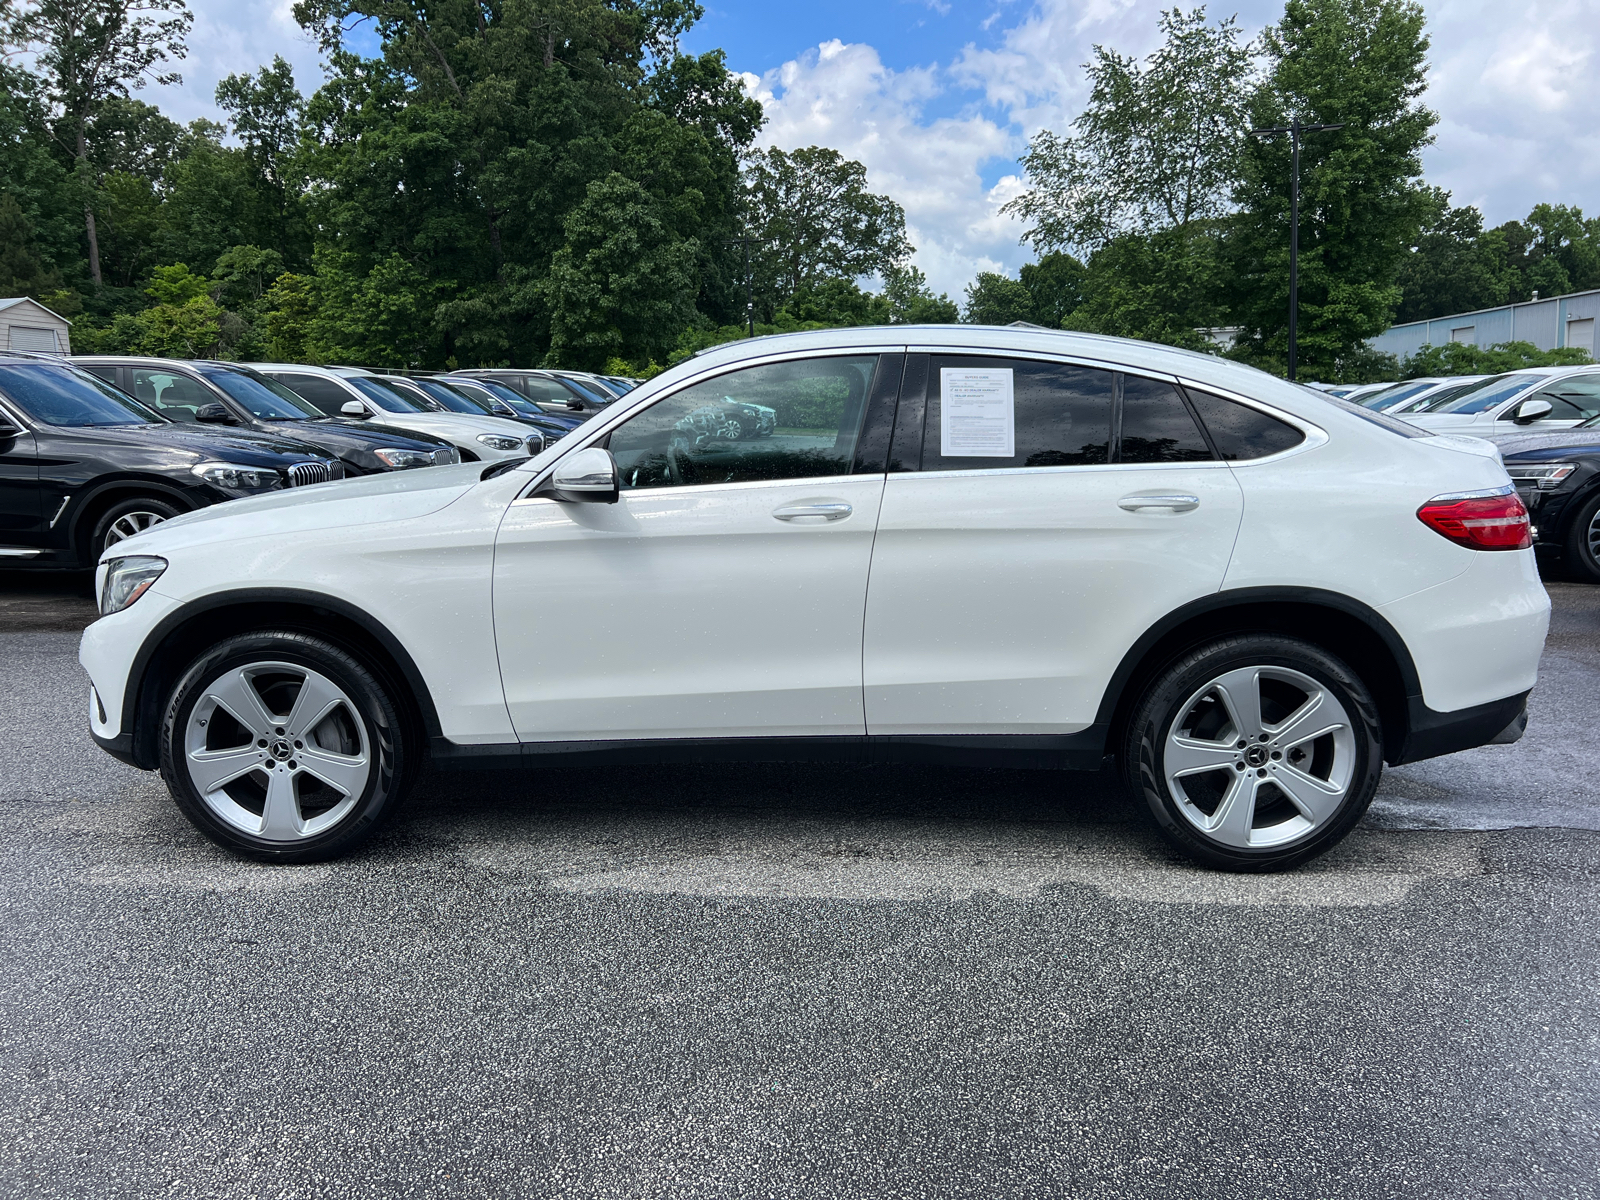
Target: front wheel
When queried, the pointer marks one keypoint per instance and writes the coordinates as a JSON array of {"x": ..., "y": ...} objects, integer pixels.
[
  {"x": 126, "y": 519},
  {"x": 1581, "y": 553},
  {"x": 1255, "y": 752},
  {"x": 283, "y": 748}
]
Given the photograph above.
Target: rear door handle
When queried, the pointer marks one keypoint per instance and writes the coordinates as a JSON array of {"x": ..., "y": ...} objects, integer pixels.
[
  {"x": 831, "y": 511},
  {"x": 1176, "y": 504}
]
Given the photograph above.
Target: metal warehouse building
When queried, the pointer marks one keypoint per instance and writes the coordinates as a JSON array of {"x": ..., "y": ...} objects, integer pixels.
[{"x": 1548, "y": 324}]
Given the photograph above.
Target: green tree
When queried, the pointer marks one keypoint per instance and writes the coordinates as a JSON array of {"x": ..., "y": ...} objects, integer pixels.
[
  {"x": 1056, "y": 283},
  {"x": 1159, "y": 287},
  {"x": 1157, "y": 145},
  {"x": 90, "y": 52},
  {"x": 814, "y": 219},
  {"x": 1362, "y": 64},
  {"x": 290, "y": 311},
  {"x": 1464, "y": 358},
  {"x": 266, "y": 113},
  {"x": 911, "y": 302},
  {"x": 994, "y": 299},
  {"x": 622, "y": 286},
  {"x": 1453, "y": 267}
]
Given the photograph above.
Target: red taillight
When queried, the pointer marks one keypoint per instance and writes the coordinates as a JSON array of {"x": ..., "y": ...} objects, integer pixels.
[{"x": 1479, "y": 522}]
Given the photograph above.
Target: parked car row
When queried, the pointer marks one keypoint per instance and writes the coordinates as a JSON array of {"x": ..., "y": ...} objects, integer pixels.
[{"x": 102, "y": 447}]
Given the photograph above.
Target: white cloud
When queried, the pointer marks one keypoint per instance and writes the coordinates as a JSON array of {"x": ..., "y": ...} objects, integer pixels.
[{"x": 843, "y": 96}]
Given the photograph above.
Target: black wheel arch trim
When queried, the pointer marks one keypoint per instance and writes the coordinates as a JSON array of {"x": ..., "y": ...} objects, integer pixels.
[
  {"x": 84, "y": 500},
  {"x": 140, "y": 746}
]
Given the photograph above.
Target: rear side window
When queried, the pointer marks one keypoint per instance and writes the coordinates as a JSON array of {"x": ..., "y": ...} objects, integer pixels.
[
  {"x": 1060, "y": 415},
  {"x": 1156, "y": 425},
  {"x": 325, "y": 394},
  {"x": 1241, "y": 433}
]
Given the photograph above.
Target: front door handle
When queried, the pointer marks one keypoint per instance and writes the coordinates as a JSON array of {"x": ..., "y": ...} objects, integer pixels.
[
  {"x": 831, "y": 511},
  {"x": 1175, "y": 504}
]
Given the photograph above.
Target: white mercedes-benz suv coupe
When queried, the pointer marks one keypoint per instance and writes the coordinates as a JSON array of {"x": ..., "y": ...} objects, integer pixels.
[{"x": 958, "y": 545}]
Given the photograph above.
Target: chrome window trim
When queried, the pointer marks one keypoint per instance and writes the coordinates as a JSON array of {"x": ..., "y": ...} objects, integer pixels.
[{"x": 745, "y": 485}]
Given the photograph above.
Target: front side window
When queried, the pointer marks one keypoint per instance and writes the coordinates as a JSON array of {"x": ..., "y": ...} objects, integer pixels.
[
  {"x": 324, "y": 394},
  {"x": 177, "y": 397},
  {"x": 60, "y": 395},
  {"x": 1011, "y": 412},
  {"x": 267, "y": 400},
  {"x": 793, "y": 420},
  {"x": 1576, "y": 398}
]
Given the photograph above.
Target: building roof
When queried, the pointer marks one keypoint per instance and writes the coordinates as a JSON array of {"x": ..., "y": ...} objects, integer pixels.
[{"x": 7, "y": 303}]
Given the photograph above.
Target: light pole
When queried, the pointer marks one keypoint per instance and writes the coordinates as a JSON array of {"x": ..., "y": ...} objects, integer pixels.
[
  {"x": 1294, "y": 129},
  {"x": 744, "y": 240}
]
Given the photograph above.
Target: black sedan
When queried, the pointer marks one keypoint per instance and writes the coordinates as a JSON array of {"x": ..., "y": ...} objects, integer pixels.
[
  {"x": 218, "y": 393},
  {"x": 84, "y": 465},
  {"x": 1558, "y": 477}
]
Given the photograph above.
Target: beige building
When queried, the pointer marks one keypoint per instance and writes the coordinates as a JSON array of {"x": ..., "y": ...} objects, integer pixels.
[{"x": 28, "y": 325}]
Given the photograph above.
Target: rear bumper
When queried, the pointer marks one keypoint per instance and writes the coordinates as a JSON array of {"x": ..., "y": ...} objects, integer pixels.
[{"x": 1434, "y": 733}]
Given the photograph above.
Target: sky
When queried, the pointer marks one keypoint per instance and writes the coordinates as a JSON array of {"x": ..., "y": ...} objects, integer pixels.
[{"x": 938, "y": 98}]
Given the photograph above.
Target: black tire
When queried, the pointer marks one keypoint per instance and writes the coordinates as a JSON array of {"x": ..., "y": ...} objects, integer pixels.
[
  {"x": 1170, "y": 697},
  {"x": 1577, "y": 552},
  {"x": 392, "y": 758},
  {"x": 138, "y": 510}
]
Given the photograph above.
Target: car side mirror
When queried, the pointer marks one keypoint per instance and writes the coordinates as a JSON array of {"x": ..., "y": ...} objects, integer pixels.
[
  {"x": 7, "y": 429},
  {"x": 214, "y": 413},
  {"x": 1533, "y": 410},
  {"x": 354, "y": 408},
  {"x": 501, "y": 410},
  {"x": 589, "y": 476}
]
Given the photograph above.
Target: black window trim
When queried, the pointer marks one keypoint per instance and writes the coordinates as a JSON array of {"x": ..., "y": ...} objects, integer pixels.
[
  {"x": 914, "y": 405},
  {"x": 620, "y": 410}
]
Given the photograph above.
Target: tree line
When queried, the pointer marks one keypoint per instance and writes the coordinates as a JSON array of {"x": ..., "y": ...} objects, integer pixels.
[
  {"x": 1159, "y": 216},
  {"x": 557, "y": 182},
  {"x": 504, "y": 181}
]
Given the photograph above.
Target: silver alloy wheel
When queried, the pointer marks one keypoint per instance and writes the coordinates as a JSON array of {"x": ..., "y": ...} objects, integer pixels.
[
  {"x": 129, "y": 524},
  {"x": 1592, "y": 538},
  {"x": 1259, "y": 757},
  {"x": 277, "y": 750}
]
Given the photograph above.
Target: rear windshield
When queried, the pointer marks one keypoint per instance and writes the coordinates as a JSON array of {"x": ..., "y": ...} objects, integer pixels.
[
  {"x": 55, "y": 394},
  {"x": 1486, "y": 395},
  {"x": 385, "y": 395},
  {"x": 268, "y": 400}
]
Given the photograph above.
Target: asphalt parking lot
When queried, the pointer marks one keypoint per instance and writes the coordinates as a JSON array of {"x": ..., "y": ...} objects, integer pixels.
[{"x": 796, "y": 981}]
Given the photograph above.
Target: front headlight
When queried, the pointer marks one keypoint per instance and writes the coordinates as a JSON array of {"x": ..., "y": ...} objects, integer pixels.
[
  {"x": 1545, "y": 477},
  {"x": 497, "y": 441},
  {"x": 126, "y": 579},
  {"x": 234, "y": 477},
  {"x": 404, "y": 460}
]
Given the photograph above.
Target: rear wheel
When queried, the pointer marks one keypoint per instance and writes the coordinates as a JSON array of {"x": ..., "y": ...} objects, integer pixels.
[
  {"x": 1582, "y": 550},
  {"x": 126, "y": 519},
  {"x": 1255, "y": 753},
  {"x": 284, "y": 748}
]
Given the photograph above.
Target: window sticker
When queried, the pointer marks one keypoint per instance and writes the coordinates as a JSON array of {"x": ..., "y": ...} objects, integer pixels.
[{"x": 977, "y": 413}]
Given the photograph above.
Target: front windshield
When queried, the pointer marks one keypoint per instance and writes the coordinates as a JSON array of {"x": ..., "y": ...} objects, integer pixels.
[
  {"x": 1384, "y": 397},
  {"x": 506, "y": 396},
  {"x": 56, "y": 394},
  {"x": 1486, "y": 394},
  {"x": 385, "y": 395},
  {"x": 448, "y": 397},
  {"x": 265, "y": 398}
]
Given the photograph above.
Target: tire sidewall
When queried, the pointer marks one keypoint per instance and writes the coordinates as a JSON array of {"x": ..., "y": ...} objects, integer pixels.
[
  {"x": 1162, "y": 703},
  {"x": 374, "y": 708}
]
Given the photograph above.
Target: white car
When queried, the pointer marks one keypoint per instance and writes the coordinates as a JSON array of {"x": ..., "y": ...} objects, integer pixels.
[
  {"x": 369, "y": 397},
  {"x": 1515, "y": 402},
  {"x": 969, "y": 545}
]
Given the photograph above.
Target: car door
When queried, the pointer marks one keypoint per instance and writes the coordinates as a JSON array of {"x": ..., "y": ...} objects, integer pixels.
[
  {"x": 722, "y": 594},
  {"x": 1573, "y": 400},
  {"x": 1043, "y": 515},
  {"x": 21, "y": 517}
]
